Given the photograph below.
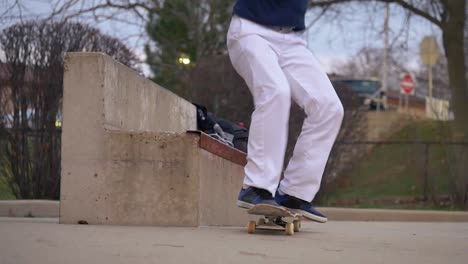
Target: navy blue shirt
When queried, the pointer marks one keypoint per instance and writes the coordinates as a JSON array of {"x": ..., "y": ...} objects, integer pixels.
[{"x": 281, "y": 13}]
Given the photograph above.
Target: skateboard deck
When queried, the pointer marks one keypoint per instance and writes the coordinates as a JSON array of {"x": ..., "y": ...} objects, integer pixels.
[{"x": 273, "y": 218}]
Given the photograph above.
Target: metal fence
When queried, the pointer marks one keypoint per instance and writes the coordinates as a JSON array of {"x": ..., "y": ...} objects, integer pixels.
[
  {"x": 30, "y": 162},
  {"x": 401, "y": 174}
]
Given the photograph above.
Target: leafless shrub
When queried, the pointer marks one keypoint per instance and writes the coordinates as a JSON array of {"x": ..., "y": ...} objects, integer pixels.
[{"x": 31, "y": 81}]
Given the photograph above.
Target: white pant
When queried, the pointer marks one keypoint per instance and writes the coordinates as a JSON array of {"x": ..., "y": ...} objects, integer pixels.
[{"x": 277, "y": 67}]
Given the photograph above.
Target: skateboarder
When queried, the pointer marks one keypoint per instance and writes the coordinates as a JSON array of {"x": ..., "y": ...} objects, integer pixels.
[{"x": 267, "y": 48}]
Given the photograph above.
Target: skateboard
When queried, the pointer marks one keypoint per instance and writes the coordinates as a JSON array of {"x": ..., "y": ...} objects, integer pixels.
[{"x": 274, "y": 218}]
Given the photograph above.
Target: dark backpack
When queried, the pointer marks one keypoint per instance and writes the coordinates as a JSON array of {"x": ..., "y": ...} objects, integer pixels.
[
  {"x": 240, "y": 135},
  {"x": 226, "y": 131},
  {"x": 205, "y": 122}
]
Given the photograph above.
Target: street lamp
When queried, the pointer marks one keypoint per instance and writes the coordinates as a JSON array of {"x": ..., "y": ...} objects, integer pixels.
[{"x": 184, "y": 60}]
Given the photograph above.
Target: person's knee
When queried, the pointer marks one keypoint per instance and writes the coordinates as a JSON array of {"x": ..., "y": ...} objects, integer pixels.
[
  {"x": 333, "y": 111},
  {"x": 274, "y": 96},
  {"x": 283, "y": 96},
  {"x": 325, "y": 106},
  {"x": 328, "y": 110},
  {"x": 336, "y": 110}
]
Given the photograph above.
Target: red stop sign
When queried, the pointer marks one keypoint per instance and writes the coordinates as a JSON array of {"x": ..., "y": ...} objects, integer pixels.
[{"x": 407, "y": 84}]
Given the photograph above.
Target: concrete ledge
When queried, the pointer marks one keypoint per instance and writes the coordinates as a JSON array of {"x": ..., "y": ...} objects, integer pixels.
[
  {"x": 126, "y": 157},
  {"x": 29, "y": 208},
  {"x": 384, "y": 215}
]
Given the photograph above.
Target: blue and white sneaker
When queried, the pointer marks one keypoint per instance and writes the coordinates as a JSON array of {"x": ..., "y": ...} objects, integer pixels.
[
  {"x": 252, "y": 196},
  {"x": 299, "y": 206}
]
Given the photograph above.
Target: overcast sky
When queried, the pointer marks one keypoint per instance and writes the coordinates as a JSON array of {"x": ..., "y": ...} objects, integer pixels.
[{"x": 331, "y": 40}]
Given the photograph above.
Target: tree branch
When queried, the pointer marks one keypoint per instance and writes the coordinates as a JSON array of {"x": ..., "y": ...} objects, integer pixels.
[
  {"x": 404, "y": 4},
  {"x": 416, "y": 11},
  {"x": 135, "y": 6}
]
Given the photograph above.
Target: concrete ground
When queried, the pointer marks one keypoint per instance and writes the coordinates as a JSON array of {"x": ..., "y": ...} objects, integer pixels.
[{"x": 45, "y": 241}]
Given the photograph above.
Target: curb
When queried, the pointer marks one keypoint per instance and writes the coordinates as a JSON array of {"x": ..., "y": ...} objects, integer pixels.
[
  {"x": 384, "y": 215},
  {"x": 51, "y": 209},
  {"x": 29, "y": 208}
]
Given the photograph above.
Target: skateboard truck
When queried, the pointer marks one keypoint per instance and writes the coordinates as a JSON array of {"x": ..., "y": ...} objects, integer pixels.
[{"x": 273, "y": 218}]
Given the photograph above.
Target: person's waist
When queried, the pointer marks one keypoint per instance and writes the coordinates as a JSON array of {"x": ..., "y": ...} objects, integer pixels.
[{"x": 281, "y": 29}]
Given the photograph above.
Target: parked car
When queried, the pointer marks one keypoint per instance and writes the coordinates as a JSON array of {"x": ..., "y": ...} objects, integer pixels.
[{"x": 368, "y": 89}]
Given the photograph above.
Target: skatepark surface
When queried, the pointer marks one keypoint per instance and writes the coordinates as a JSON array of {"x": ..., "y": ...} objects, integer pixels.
[{"x": 34, "y": 240}]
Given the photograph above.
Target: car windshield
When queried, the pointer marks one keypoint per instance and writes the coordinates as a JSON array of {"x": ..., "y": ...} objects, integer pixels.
[{"x": 362, "y": 86}]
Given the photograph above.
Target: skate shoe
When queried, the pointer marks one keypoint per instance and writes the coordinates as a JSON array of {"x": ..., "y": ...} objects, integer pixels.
[
  {"x": 299, "y": 206},
  {"x": 252, "y": 196}
]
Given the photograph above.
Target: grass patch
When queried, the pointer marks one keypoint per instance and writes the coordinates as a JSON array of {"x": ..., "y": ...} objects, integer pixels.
[
  {"x": 5, "y": 191},
  {"x": 394, "y": 176}
]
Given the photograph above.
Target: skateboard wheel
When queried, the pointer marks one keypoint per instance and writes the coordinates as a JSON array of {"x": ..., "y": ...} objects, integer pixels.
[
  {"x": 297, "y": 225},
  {"x": 251, "y": 227},
  {"x": 289, "y": 229},
  {"x": 261, "y": 221}
]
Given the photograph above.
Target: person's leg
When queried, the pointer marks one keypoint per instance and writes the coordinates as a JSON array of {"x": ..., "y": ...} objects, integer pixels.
[
  {"x": 256, "y": 60},
  {"x": 311, "y": 90}
]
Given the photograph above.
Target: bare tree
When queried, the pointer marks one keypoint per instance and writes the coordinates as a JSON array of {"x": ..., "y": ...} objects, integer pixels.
[
  {"x": 367, "y": 63},
  {"x": 126, "y": 17},
  {"x": 32, "y": 80},
  {"x": 450, "y": 17},
  {"x": 74, "y": 8},
  {"x": 190, "y": 29},
  {"x": 161, "y": 22}
]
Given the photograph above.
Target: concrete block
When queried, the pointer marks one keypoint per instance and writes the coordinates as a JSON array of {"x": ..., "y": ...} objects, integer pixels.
[
  {"x": 126, "y": 156},
  {"x": 153, "y": 179},
  {"x": 131, "y": 186},
  {"x": 220, "y": 182}
]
